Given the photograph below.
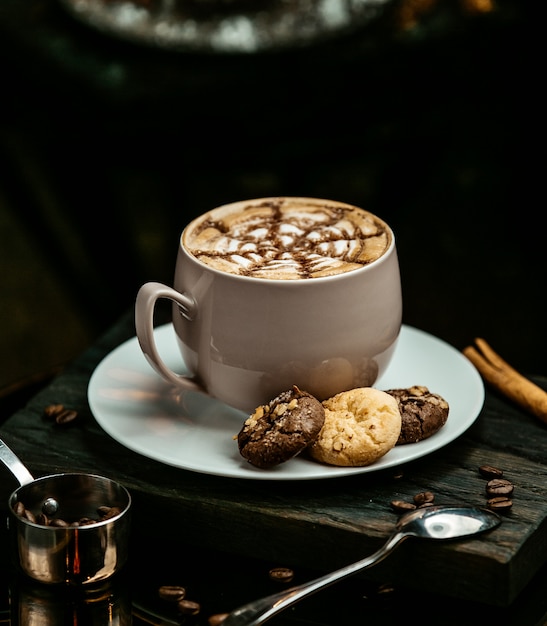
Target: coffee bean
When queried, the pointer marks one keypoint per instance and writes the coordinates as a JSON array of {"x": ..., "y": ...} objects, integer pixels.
[
  {"x": 42, "y": 519},
  {"x": 489, "y": 471},
  {"x": 19, "y": 508},
  {"x": 500, "y": 503},
  {"x": 66, "y": 417},
  {"x": 385, "y": 589},
  {"x": 107, "y": 512},
  {"x": 103, "y": 510},
  {"x": 281, "y": 574},
  {"x": 426, "y": 497},
  {"x": 188, "y": 607},
  {"x": 400, "y": 506},
  {"x": 51, "y": 411},
  {"x": 499, "y": 487},
  {"x": 172, "y": 593},
  {"x": 59, "y": 523}
]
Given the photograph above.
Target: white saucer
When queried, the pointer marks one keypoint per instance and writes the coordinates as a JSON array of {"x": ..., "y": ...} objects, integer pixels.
[{"x": 191, "y": 431}]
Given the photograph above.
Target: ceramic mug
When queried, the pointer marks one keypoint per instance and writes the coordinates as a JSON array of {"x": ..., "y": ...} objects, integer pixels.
[{"x": 276, "y": 292}]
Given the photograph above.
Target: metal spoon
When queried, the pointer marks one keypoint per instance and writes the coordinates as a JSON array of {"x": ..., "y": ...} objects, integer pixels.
[
  {"x": 15, "y": 465},
  {"x": 437, "y": 522}
]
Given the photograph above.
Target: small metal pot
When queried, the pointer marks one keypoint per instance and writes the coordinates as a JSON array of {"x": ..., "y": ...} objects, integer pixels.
[{"x": 90, "y": 548}]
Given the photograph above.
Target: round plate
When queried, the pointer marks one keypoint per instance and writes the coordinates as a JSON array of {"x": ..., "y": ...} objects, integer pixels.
[{"x": 137, "y": 408}]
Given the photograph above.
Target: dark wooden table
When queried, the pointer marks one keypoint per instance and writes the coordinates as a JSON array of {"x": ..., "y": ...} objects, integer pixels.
[{"x": 219, "y": 536}]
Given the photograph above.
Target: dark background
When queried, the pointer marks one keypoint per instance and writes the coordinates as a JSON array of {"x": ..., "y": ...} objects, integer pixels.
[{"x": 108, "y": 148}]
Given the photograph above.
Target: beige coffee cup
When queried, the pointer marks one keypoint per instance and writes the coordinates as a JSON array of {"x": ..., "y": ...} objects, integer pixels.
[{"x": 275, "y": 292}]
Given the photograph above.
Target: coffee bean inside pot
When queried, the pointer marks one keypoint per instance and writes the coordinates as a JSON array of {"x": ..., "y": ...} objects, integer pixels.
[
  {"x": 104, "y": 512},
  {"x": 42, "y": 519},
  {"x": 19, "y": 509}
]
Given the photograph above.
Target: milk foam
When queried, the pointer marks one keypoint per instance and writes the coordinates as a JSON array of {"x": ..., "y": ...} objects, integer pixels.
[{"x": 287, "y": 238}]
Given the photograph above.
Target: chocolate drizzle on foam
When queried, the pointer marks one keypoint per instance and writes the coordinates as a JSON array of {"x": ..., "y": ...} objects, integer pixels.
[{"x": 288, "y": 238}]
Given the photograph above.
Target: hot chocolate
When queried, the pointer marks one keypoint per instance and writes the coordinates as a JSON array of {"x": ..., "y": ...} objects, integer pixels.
[
  {"x": 287, "y": 238},
  {"x": 251, "y": 315}
]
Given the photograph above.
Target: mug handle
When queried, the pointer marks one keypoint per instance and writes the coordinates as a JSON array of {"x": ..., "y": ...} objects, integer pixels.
[{"x": 147, "y": 296}]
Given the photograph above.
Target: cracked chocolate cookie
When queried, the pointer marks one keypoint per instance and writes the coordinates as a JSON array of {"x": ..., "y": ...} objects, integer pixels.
[
  {"x": 423, "y": 413},
  {"x": 361, "y": 425},
  {"x": 281, "y": 429}
]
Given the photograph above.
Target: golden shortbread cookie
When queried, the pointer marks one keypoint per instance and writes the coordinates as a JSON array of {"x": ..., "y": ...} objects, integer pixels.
[{"x": 361, "y": 425}]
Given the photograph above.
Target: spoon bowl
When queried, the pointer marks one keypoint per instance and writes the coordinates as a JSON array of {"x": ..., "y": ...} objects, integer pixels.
[
  {"x": 435, "y": 522},
  {"x": 446, "y": 522}
]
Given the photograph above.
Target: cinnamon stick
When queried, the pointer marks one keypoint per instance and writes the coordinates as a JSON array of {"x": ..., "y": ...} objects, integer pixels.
[{"x": 507, "y": 380}]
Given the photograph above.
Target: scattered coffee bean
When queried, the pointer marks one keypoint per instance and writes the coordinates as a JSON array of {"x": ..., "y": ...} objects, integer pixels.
[
  {"x": 66, "y": 417},
  {"x": 188, "y": 607},
  {"x": 60, "y": 414},
  {"x": 426, "y": 497},
  {"x": 172, "y": 593},
  {"x": 499, "y": 487},
  {"x": 500, "y": 503},
  {"x": 498, "y": 490},
  {"x": 281, "y": 574},
  {"x": 400, "y": 506},
  {"x": 216, "y": 620},
  {"x": 51, "y": 411},
  {"x": 385, "y": 589},
  {"x": 489, "y": 471}
]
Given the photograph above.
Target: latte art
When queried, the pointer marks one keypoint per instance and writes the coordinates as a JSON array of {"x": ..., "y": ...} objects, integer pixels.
[{"x": 287, "y": 238}]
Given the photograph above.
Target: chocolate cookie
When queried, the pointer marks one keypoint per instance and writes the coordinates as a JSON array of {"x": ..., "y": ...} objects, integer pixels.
[
  {"x": 281, "y": 429},
  {"x": 423, "y": 413},
  {"x": 361, "y": 425}
]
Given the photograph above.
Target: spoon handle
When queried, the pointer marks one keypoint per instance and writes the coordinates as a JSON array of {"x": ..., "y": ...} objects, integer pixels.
[
  {"x": 259, "y": 611},
  {"x": 14, "y": 464}
]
